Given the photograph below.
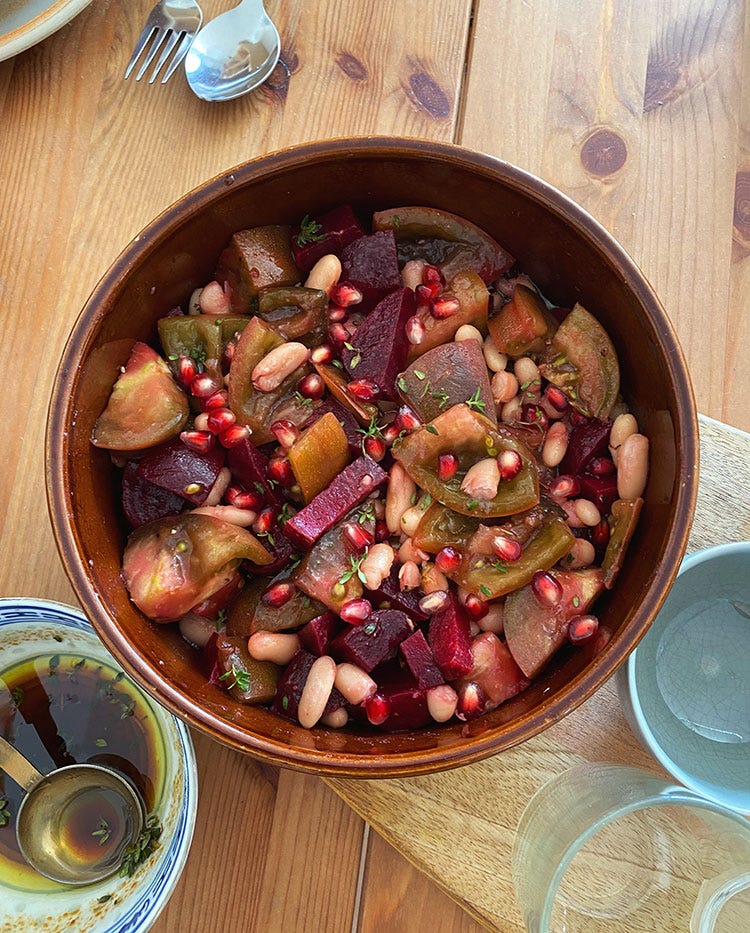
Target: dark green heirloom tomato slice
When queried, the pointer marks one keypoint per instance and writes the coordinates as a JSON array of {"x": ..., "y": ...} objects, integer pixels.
[
  {"x": 253, "y": 260},
  {"x": 297, "y": 313},
  {"x": 250, "y": 612},
  {"x": 534, "y": 632},
  {"x": 473, "y": 299},
  {"x": 200, "y": 336},
  {"x": 623, "y": 521},
  {"x": 247, "y": 680},
  {"x": 445, "y": 376},
  {"x": 521, "y": 325},
  {"x": 338, "y": 385},
  {"x": 174, "y": 563},
  {"x": 443, "y": 239},
  {"x": 440, "y": 527},
  {"x": 583, "y": 363},
  {"x": 146, "y": 406},
  {"x": 489, "y": 578},
  {"x": 470, "y": 437},
  {"x": 259, "y": 410}
]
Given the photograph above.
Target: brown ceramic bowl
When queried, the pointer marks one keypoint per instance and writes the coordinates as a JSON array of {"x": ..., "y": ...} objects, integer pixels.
[{"x": 557, "y": 243}]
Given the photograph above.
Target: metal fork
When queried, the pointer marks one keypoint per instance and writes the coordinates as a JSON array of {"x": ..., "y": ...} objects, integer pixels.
[{"x": 171, "y": 26}]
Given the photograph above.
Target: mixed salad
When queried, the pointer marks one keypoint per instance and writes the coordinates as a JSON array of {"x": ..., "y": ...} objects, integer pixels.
[{"x": 372, "y": 474}]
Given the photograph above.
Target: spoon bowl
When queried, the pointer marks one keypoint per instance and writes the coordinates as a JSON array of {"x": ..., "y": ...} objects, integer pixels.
[{"x": 234, "y": 53}]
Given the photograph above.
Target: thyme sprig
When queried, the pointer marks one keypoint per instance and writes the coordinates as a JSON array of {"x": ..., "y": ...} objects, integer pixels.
[
  {"x": 144, "y": 846},
  {"x": 309, "y": 231}
]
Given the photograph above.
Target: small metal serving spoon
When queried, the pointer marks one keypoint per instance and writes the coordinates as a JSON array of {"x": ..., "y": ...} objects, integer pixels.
[
  {"x": 74, "y": 823},
  {"x": 233, "y": 53}
]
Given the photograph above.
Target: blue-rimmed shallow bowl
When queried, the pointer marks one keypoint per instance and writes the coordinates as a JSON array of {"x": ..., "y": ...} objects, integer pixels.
[{"x": 31, "y": 630}]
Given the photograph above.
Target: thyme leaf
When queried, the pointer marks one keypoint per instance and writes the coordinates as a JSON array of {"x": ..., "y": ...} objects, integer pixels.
[{"x": 309, "y": 231}]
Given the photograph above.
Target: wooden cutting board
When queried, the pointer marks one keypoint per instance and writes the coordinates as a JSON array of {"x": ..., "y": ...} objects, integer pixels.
[{"x": 458, "y": 827}]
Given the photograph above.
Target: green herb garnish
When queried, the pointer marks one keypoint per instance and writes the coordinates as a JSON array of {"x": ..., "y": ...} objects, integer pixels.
[
  {"x": 442, "y": 395},
  {"x": 101, "y": 743},
  {"x": 102, "y": 833},
  {"x": 240, "y": 678},
  {"x": 485, "y": 590},
  {"x": 221, "y": 619},
  {"x": 17, "y": 695},
  {"x": 431, "y": 429},
  {"x": 419, "y": 374},
  {"x": 499, "y": 566},
  {"x": 366, "y": 513},
  {"x": 309, "y": 231},
  {"x": 4, "y": 812},
  {"x": 476, "y": 402},
  {"x": 576, "y": 601},
  {"x": 472, "y": 504},
  {"x": 401, "y": 383},
  {"x": 301, "y": 399},
  {"x": 355, "y": 564},
  {"x": 147, "y": 843}
]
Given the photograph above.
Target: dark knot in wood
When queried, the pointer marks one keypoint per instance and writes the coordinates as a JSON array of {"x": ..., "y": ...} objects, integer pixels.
[
  {"x": 742, "y": 208},
  {"x": 603, "y": 153},
  {"x": 663, "y": 82},
  {"x": 428, "y": 95},
  {"x": 352, "y": 66}
]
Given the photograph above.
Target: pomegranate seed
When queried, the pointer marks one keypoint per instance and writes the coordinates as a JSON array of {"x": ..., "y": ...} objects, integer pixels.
[
  {"x": 407, "y": 420},
  {"x": 448, "y": 559},
  {"x": 278, "y": 594},
  {"x": 444, "y": 306},
  {"x": 311, "y": 386},
  {"x": 447, "y": 466},
  {"x": 509, "y": 463},
  {"x": 471, "y": 701},
  {"x": 414, "y": 330},
  {"x": 390, "y": 433},
  {"x": 508, "y": 549},
  {"x": 533, "y": 414},
  {"x": 546, "y": 588},
  {"x": 280, "y": 471},
  {"x": 286, "y": 432},
  {"x": 338, "y": 334},
  {"x": 345, "y": 295},
  {"x": 601, "y": 466},
  {"x": 377, "y": 709},
  {"x": 265, "y": 521},
  {"x": 582, "y": 628},
  {"x": 186, "y": 371},
  {"x": 556, "y": 397},
  {"x": 234, "y": 435},
  {"x": 476, "y": 607},
  {"x": 600, "y": 534},
  {"x": 381, "y": 530},
  {"x": 433, "y": 601},
  {"x": 425, "y": 293},
  {"x": 219, "y": 419},
  {"x": 375, "y": 448},
  {"x": 204, "y": 385},
  {"x": 564, "y": 487},
  {"x": 321, "y": 354},
  {"x": 219, "y": 399},
  {"x": 199, "y": 441},
  {"x": 431, "y": 275},
  {"x": 357, "y": 535},
  {"x": 337, "y": 315},
  {"x": 577, "y": 419},
  {"x": 355, "y": 611},
  {"x": 364, "y": 389},
  {"x": 242, "y": 499}
]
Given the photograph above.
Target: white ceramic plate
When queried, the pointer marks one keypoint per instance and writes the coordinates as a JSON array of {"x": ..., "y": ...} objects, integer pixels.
[
  {"x": 23, "y": 23},
  {"x": 38, "y": 628}
]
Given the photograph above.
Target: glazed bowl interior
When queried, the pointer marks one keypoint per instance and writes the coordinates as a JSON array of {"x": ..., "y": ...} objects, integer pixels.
[{"x": 560, "y": 246}]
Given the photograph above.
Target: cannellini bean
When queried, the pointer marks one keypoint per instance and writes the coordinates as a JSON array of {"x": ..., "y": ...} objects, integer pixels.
[
  {"x": 504, "y": 386},
  {"x": 511, "y": 411},
  {"x": 354, "y": 683},
  {"x": 317, "y": 690},
  {"x": 474, "y": 629},
  {"x": 442, "y": 702},
  {"x": 279, "y": 647},
  {"x": 336, "y": 719},
  {"x": 409, "y": 552},
  {"x": 401, "y": 488},
  {"x": 409, "y": 576},
  {"x": 468, "y": 332},
  {"x": 228, "y": 513},
  {"x": 325, "y": 273},
  {"x": 572, "y": 516},
  {"x": 527, "y": 373},
  {"x": 411, "y": 274},
  {"x": 201, "y": 421},
  {"x": 555, "y": 444},
  {"x": 214, "y": 300},
  {"x": 632, "y": 467},
  {"x": 194, "y": 304},
  {"x": 411, "y": 519},
  {"x": 482, "y": 479},
  {"x": 494, "y": 621},
  {"x": 495, "y": 360},
  {"x": 377, "y": 564},
  {"x": 622, "y": 428},
  {"x": 219, "y": 487},
  {"x": 582, "y": 554},
  {"x": 433, "y": 579},
  {"x": 275, "y": 366},
  {"x": 196, "y": 629},
  {"x": 587, "y": 512}
]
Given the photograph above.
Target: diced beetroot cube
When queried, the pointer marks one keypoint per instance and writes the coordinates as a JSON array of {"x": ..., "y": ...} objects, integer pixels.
[
  {"x": 586, "y": 441},
  {"x": 353, "y": 484},
  {"x": 371, "y": 264},
  {"x": 420, "y": 661},
  {"x": 601, "y": 490},
  {"x": 281, "y": 548},
  {"x": 142, "y": 502},
  {"x": 335, "y": 230},
  {"x": 389, "y": 596},
  {"x": 249, "y": 466},
  {"x": 449, "y": 635},
  {"x": 405, "y": 700},
  {"x": 380, "y": 344},
  {"x": 347, "y": 420},
  {"x": 317, "y": 635},
  {"x": 375, "y": 641},
  {"x": 292, "y": 683},
  {"x": 175, "y": 467}
]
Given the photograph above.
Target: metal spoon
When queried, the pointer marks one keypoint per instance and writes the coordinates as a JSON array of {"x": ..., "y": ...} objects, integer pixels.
[
  {"x": 74, "y": 823},
  {"x": 234, "y": 53}
]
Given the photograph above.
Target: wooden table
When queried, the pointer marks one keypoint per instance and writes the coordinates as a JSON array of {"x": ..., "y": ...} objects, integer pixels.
[{"x": 635, "y": 108}]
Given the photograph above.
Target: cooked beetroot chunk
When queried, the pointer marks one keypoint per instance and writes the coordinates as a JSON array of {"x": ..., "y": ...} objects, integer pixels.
[
  {"x": 317, "y": 635},
  {"x": 335, "y": 230},
  {"x": 586, "y": 441},
  {"x": 175, "y": 467},
  {"x": 405, "y": 700},
  {"x": 292, "y": 683},
  {"x": 249, "y": 466},
  {"x": 375, "y": 641},
  {"x": 353, "y": 484},
  {"x": 371, "y": 264},
  {"x": 142, "y": 502},
  {"x": 380, "y": 344},
  {"x": 420, "y": 661},
  {"x": 449, "y": 635},
  {"x": 601, "y": 490},
  {"x": 281, "y": 548},
  {"x": 347, "y": 420},
  {"x": 390, "y": 596}
]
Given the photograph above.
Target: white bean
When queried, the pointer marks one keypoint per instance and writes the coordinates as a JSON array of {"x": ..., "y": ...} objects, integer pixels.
[
  {"x": 219, "y": 487},
  {"x": 194, "y": 304},
  {"x": 325, "y": 273},
  {"x": 409, "y": 576},
  {"x": 275, "y": 366},
  {"x": 377, "y": 564},
  {"x": 433, "y": 579},
  {"x": 582, "y": 554},
  {"x": 214, "y": 300},
  {"x": 570, "y": 510},
  {"x": 587, "y": 512},
  {"x": 622, "y": 428},
  {"x": 511, "y": 411},
  {"x": 279, "y": 647},
  {"x": 336, "y": 719},
  {"x": 227, "y": 513},
  {"x": 495, "y": 360},
  {"x": 632, "y": 467},
  {"x": 468, "y": 332},
  {"x": 410, "y": 520},
  {"x": 494, "y": 621},
  {"x": 412, "y": 273},
  {"x": 401, "y": 488},
  {"x": 353, "y": 683},
  {"x": 504, "y": 387},
  {"x": 409, "y": 552},
  {"x": 482, "y": 479},
  {"x": 442, "y": 702},
  {"x": 555, "y": 444},
  {"x": 317, "y": 691},
  {"x": 200, "y": 421},
  {"x": 527, "y": 373}
]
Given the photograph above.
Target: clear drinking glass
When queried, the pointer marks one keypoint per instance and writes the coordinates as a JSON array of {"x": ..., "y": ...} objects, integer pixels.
[{"x": 616, "y": 849}]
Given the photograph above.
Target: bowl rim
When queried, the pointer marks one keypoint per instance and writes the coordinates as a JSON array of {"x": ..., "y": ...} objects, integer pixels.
[{"x": 337, "y": 763}]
